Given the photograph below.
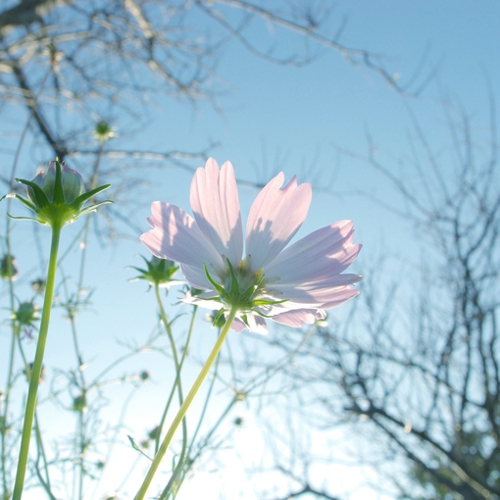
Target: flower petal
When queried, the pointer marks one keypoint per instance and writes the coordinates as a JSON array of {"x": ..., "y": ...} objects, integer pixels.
[
  {"x": 298, "y": 317},
  {"x": 319, "y": 296},
  {"x": 216, "y": 209},
  {"x": 206, "y": 300},
  {"x": 318, "y": 256},
  {"x": 176, "y": 236},
  {"x": 255, "y": 324},
  {"x": 196, "y": 276},
  {"x": 276, "y": 215}
]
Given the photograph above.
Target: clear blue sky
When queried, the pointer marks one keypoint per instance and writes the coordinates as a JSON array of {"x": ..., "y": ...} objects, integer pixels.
[{"x": 283, "y": 118}]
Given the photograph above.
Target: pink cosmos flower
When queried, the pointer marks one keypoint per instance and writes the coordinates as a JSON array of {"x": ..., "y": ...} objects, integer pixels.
[{"x": 262, "y": 278}]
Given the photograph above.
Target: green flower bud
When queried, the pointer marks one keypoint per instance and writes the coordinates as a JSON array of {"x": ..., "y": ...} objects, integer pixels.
[
  {"x": 154, "y": 433},
  {"x": 72, "y": 183},
  {"x": 80, "y": 403},
  {"x": 26, "y": 314},
  {"x": 8, "y": 269},
  {"x": 56, "y": 196},
  {"x": 159, "y": 272},
  {"x": 103, "y": 132},
  {"x": 39, "y": 286}
]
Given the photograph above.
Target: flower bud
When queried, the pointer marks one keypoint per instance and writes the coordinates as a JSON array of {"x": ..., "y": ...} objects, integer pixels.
[
  {"x": 80, "y": 403},
  {"x": 38, "y": 286},
  {"x": 57, "y": 196},
  {"x": 72, "y": 183},
  {"x": 26, "y": 314},
  {"x": 159, "y": 272},
  {"x": 103, "y": 132},
  {"x": 8, "y": 268}
]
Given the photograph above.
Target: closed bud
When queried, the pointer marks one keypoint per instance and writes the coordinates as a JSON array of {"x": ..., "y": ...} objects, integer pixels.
[
  {"x": 57, "y": 196},
  {"x": 26, "y": 314},
  {"x": 8, "y": 269},
  {"x": 72, "y": 183}
]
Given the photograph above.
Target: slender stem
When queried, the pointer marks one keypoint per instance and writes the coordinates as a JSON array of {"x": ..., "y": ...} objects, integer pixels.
[
  {"x": 205, "y": 406},
  {"x": 4, "y": 425},
  {"x": 175, "y": 478},
  {"x": 187, "y": 402},
  {"x": 177, "y": 382},
  {"x": 177, "y": 378},
  {"x": 37, "y": 364},
  {"x": 15, "y": 334},
  {"x": 45, "y": 482},
  {"x": 41, "y": 450}
]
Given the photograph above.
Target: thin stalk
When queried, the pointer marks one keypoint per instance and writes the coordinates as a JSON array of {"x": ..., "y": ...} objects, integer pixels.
[
  {"x": 15, "y": 334},
  {"x": 175, "y": 476},
  {"x": 177, "y": 383},
  {"x": 177, "y": 379},
  {"x": 41, "y": 453},
  {"x": 185, "y": 406},
  {"x": 4, "y": 417},
  {"x": 205, "y": 405},
  {"x": 37, "y": 364},
  {"x": 81, "y": 454},
  {"x": 41, "y": 450}
]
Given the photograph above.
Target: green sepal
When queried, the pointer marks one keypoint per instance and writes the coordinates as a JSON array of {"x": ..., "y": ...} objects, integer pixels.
[
  {"x": 92, "y": 208},
  {"x": 41, "y": 198},
  {"x": 13, "y": 217},
  {"x": 78, "y": 202},
  {"x": 247, "y": 294},
  {"x": 235, "y": 287},
  {"x": 244, "y": 318},
  {"x": 218, "y": 316},
  {"x": 58, "y": 194},
  {"x": 263, "y": 302},
  {"x": 22, "y": 199},
  {"x": 219, "y": 288}
]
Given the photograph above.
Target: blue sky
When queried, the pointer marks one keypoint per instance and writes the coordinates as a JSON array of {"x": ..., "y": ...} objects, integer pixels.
[{"x": 292, "y": 119}]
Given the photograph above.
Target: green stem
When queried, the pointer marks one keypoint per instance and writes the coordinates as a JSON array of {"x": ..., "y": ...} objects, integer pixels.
[
  {"x": 176, "y": 476},
  {"x": 37, "y": 364},
  {"x": 177, "y": 378},
  {"x": 177, "y": 382},
  {"x": 187, "y": 402},
  {"x": 4, "y": 417}
]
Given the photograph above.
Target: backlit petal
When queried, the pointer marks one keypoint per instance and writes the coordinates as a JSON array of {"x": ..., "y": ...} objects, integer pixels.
[
  {"x": 176, "y": 236},
  {"x": 323, "y": 253},
  {"x": 298, "y": 317},
  {"x": 216, "y": 209},
  {"x": 275, "y": 216},
  {"x": 325, "y": 296}
]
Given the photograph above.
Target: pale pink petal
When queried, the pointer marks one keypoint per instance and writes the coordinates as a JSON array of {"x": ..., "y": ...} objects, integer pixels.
[
  {"x": 257, "y": 324},
  {"x": 203, "y": 300},
  {"x": 314, "y": 297},
  {"x": 323, "y": 253},
  {"x": 275, "y": 216},
  {"x": 285, "y": 290},
  {"x": 176, "y": 236},
  {"x": 196, "y": 276},
  {"x": 298, "y": 317},
  {"x": 216, "y": 209},
  {"x": 339, "y": 298},
  {"x": 238, "y": 326}
]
